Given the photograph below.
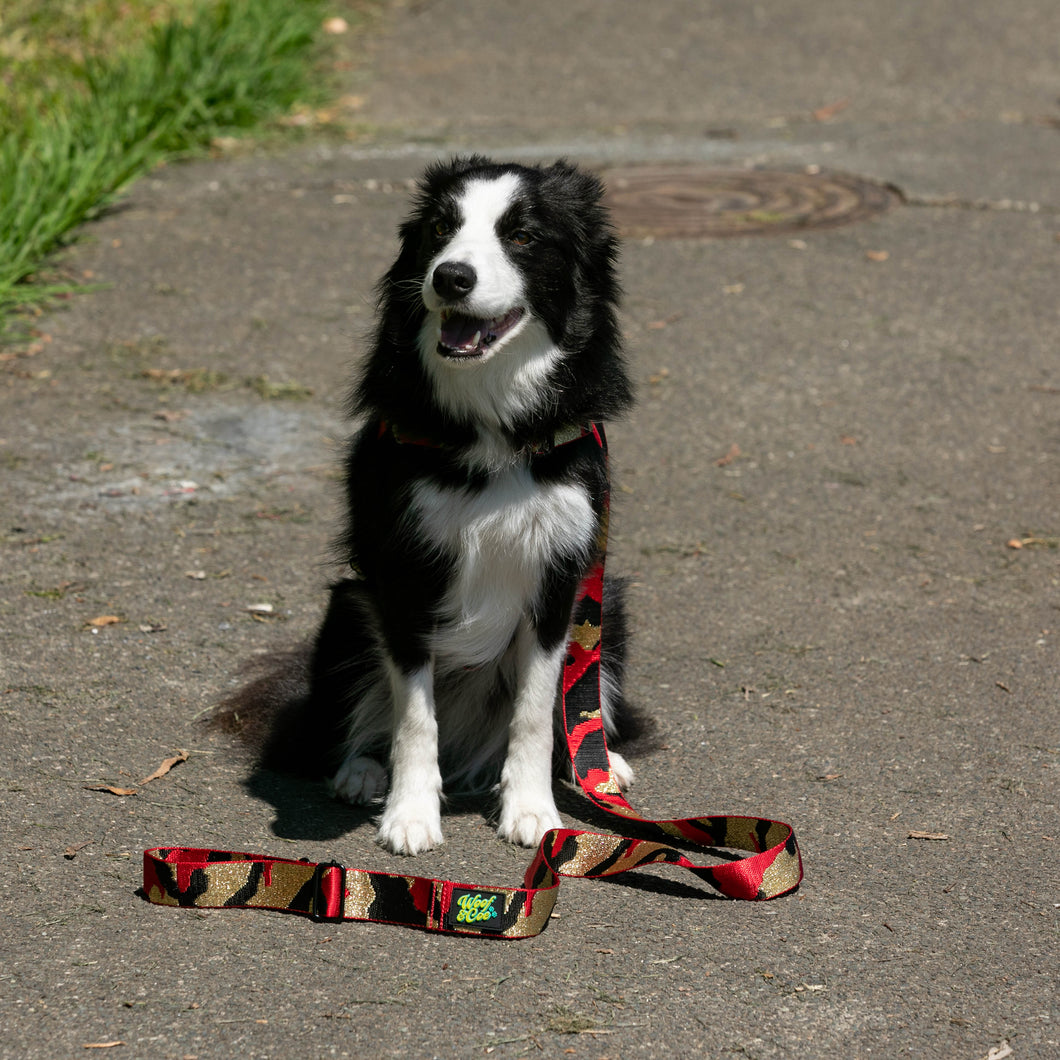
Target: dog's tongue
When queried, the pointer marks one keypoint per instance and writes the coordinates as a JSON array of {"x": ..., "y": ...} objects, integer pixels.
[{"x": 463, "y": 334}]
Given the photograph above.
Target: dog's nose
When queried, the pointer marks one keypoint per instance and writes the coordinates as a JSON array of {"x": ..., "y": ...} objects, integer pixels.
[{"x": 453, "y": 280}]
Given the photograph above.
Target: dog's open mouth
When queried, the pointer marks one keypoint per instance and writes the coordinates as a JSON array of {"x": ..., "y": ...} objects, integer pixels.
[{"x": 465, "y": 336}]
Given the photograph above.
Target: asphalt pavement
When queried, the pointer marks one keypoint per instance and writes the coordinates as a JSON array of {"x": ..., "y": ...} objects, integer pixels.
[{"x": 838, "y": 502}]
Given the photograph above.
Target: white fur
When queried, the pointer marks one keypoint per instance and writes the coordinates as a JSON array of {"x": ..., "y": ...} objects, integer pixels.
[
  {"x": 621, "y": 770},
  {"x": 499, "y": 386},
  {"x": 359, "y": 780},
  {"x": 503, "y": 537},
  {"x": 412, "y": 819},
  {"x": 528, "y": 809},
  {"x": 477, "y": 243}
]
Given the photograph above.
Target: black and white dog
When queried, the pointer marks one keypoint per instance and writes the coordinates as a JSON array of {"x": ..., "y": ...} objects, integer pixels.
[{"x": 476, "y": 500}]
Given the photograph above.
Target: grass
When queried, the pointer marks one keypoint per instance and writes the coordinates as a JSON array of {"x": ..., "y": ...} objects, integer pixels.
[{"x": 94, "y": 93}]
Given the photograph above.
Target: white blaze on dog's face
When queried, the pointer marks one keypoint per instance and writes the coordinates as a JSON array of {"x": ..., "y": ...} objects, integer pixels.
[
  {"x": 478, "y": 307},
  {"x": 472, "y": 273}
]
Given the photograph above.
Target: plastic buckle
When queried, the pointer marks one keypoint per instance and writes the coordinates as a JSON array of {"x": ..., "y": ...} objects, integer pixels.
[{"x": 320, "y": 901}]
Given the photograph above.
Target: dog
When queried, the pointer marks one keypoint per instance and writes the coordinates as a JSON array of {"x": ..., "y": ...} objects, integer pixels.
[{"x": 477, "y": 496}]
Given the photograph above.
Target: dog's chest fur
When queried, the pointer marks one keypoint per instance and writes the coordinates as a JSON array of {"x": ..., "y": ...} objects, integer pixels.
[{"x": 502, "y": 538}]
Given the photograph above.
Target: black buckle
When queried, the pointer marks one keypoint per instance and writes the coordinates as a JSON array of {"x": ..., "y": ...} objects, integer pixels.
[{"x": 320, "y": 903}]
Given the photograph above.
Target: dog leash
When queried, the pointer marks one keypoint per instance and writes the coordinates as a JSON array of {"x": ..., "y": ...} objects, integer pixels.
[{"x": 331, "y": 892}]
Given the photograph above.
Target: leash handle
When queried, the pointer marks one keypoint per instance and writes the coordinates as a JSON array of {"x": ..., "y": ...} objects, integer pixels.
[{"x": 191, "y": 876}]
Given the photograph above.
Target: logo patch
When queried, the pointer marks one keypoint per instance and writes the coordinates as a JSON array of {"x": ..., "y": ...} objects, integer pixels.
[{"x": 477, "y": 909}]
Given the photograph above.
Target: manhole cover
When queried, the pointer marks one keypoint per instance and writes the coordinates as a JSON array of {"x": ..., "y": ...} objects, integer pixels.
[{"x": 687, "y": 202}]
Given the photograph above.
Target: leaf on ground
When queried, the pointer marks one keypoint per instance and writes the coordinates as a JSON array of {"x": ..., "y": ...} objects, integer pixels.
[
  {"x": 830, "y": 110},
  {"x": 1031, "y": 541},
  {"x": 165, "y": 767},
  {"x": 71, "y": 852},
  {"x": 928, "y": 835},
  {"x": 729, "y": 457},
  {"x": 105, "y": 620},
  {"x": 161, "y": 771}
]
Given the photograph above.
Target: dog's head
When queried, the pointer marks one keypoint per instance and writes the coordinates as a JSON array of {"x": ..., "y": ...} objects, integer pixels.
[{"x": 505, "y": 273}]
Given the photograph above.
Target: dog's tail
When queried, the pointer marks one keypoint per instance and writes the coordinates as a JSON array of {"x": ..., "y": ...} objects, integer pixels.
[{"x": 272, "y": 716}]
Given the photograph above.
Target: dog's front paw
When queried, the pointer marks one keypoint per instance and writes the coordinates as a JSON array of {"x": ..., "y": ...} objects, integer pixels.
[
  {"x": 359, "y": 781},
  {"x": 526, "y": 825},
  {"x": 410, "y": 828}
]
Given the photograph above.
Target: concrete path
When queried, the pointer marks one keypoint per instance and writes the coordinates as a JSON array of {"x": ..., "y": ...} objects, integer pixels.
[{"x": 840, "y": 433}]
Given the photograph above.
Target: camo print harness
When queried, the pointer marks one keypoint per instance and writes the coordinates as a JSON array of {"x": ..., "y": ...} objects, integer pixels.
[{"x": 185, "y": 876}]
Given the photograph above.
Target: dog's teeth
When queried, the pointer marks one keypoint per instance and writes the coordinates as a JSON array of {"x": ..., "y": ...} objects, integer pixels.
[{"x": 477, "y": 339}]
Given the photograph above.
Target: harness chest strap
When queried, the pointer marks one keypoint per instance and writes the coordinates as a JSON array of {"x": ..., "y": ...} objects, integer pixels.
[{"x": 185, "y": 876}]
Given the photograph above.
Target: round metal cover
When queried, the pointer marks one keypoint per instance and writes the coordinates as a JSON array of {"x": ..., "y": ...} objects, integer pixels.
[{"x": 689, "y": 202}]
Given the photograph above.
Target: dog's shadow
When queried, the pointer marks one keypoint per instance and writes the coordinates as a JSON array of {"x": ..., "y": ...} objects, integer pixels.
[{"x": 306, "y": 811}]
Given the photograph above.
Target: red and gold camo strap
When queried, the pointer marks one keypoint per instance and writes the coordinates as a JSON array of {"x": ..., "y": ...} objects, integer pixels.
[{"x": 185, "y": 876}]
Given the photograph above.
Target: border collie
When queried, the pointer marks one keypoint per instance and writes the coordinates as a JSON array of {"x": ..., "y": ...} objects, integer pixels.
[{"x": 477, "y": 491}]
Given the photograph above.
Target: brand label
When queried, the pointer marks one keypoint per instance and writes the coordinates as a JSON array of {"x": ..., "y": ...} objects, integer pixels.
[{"x": 480, "y": 909}]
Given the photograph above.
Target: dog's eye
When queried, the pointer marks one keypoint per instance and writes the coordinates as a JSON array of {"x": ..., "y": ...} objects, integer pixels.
[
  {"x": 521, "y": 237},
  {"x": 441, "y": 228}
]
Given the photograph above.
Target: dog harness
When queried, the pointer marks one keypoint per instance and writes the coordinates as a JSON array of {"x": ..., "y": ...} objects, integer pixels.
[{"x": 772, "y": 865}]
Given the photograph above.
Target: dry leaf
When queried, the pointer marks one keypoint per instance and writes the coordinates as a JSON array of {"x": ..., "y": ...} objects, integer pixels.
[
  {"x": 877, "y": 255},
  {"x": 729, "y": 457},
  {"x": 165, "y": 767},
  {"x": 830, "y": 110},
  {"x": 71, "y": 852},
  {"x": 664, "y": 322},
  {"x": 335, "y": 25},
  {"x": 928, "y": 835},
  {"x": 110, "y": 790},
  {"x": 105, "y": 620},
  {"x": 101, "y": 1045}
]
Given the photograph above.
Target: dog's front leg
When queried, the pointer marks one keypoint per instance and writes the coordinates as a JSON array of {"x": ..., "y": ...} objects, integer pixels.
[
  {"x": 528, "y": 809},
  {"x": 412, "y": 819}
]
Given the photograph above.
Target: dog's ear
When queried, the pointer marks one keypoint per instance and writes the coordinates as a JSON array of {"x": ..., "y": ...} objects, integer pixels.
[{"x": 579, "y": 182}]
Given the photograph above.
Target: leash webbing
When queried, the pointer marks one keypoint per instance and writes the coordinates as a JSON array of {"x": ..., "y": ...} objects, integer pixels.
[{"x": 185, "y": 876}]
